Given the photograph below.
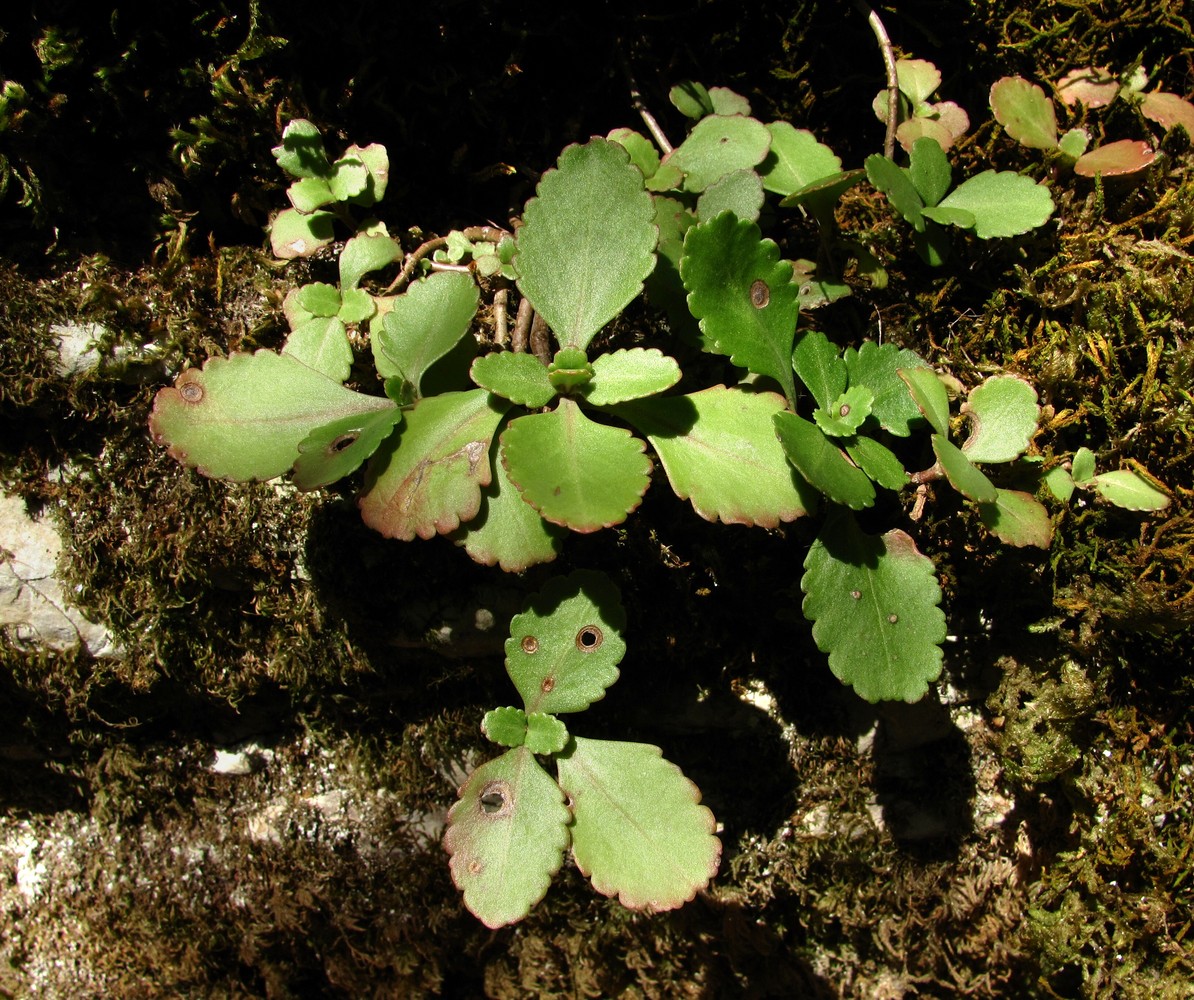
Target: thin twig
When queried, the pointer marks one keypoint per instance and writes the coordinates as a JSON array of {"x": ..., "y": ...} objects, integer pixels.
[
  {"x": 522, "y": 326},
  {"x": 476, "y": 234},
  {"x": 639, "y": 105},
  {"x": 540, "y": 345},
  {"x": 501, "y": 332},
  {"x": 893, "y": 80}
]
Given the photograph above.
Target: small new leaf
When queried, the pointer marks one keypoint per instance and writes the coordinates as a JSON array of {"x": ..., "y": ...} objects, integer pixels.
[
  {"x": 846, "y": 413},
  {"x": 505, "y": 726}
]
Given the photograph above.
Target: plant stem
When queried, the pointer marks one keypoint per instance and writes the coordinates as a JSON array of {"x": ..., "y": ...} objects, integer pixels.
[
  {"x": 487, "y": 234},
  {"x": 639, "y": 105},
  {"x": 893, "y": 81},
  {"x": 522, "y": 326}
]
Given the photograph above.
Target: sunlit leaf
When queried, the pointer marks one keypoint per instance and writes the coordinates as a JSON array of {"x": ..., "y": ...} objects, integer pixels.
[
  {"x": 1168, "y": 110},
  {"x": 293, "y": 234},
  {"x": 520, "y": 378},
  {"x": 1128, "y": 490},
  {"x": 845, "y": 415},
  {"x": 338, "y": 449},
  {"x": 796, "y": 160},
  {"x": 1083, "y": 466},
  {"x": 505, "y": 726},
  {"x": 719, "y": 145},
  {"x": 819, "y": 460},
  {"x": 587, "y": 241},
  {"x": 878, "y": 368},
  {"x": 930, "y": 396},
  {"x": 321, "y": 343},
  {"x": 929, "y": 171},
  {"x": 740, "y": 192},
  {"x": 1025, "y": 111},
  {"x": 363, "y": 254},
  {"x": 1003, "y": 203},
  {"x": 877, "y": 461},
  {"x": 1093, "y": 86},
  {"x": 1003, "y": 415},
  {"x": 897, "y": 185},
  {"x": 819, "y": 366},
  {"x": 506, "y": 837},
  {"x": 301, "y": 153},
  {"x": 630, "y": 374},
  {"x": 639, "y": 831},
  {"x": 1017, "y": 519},
  {"x": 962, "y": 474},
  {"x": 1116, "y": 159}
]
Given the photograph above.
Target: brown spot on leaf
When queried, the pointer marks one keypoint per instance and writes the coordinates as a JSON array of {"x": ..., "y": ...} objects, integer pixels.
[
  {"x": 530, "y": 644},
  {"x": 760, "y": 294},
  {"x": 548, "y": 685},
  {"x": 191, "y": 392},
  {"x": 475, "y": 867}
]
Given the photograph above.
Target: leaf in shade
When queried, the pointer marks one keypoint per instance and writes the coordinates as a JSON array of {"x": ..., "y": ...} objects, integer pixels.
[
  {"x": 587, "y": 241},
  {"x": 821, "y": 462},
  {"x": 796, "y": 160},
  {"x": 719, "y": 145},
  {"x": 321, "y": 343},
  {"x": 1116, "y": 159},
  {"x": 508, "y": 531},
  {"x": 744, "y": 296},
  {"x": 575, "y": 472},
  {"x": 243, "y": 417},
  {"x": 719, "y": 450},
  {"x": 638, "y": 831},
  {"x": 878, "y": 368},
  {"x": 564, "y": 649},
  {"x": 873, "y": 602},
  {"x": 1168, "y": 111},
  {"x": 819, "y": 366},
  {"x": 929, "y": 170},
  {"x": 293, "y": 234},
  {"x": 506, "y": 837},
  {"x": 1025, "y": 111},
  {"x": 1083, "y": 466},
  {"x": 740, "y": 192},
  {"x": 1017, "y": 519},
  {"x": 428, "y": 478},
  {"x": 1128, "y": 490},
  {"x": 301, "y": 153},
  {"x": 1093, "y": 86},
  {"x": 897, "y": 185}
]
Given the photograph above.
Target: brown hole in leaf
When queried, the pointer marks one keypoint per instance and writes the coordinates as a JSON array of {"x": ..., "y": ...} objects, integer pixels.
[
  {"x": 760, "y": 294},
  {"x": 496, "y": 798},
  {"x": 589, "y": 638},
  {"x": 530, "y": 644},
  {"x": 548, "y": 685},
  {"x": 191, "y": 392},
  {"x": 342, "y": 442}
]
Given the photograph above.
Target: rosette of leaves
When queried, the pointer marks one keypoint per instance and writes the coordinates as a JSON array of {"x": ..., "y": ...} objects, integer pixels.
[
  {"x": 991, "y": 204},
  {"x": 1126, "y": 488},
  {"x": 633, "y": 821},
  {"x": 917, "y": 117}
]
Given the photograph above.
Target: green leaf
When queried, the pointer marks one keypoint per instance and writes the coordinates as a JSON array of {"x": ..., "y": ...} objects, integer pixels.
[
  {"x": 505, "y": 726},
  {"x": 820, "y": 196},
  {"x": 719, "y": 145},
  {"x": 321, "y": 343},
  {"x": 293, "y": 234},
  {"x": 349, "y": 178},
  {"x": 878, "y": 368},
  {"x": 356, "y": 306},
  {"x": 873, "y": 604},
  {"x": 587, "y": 241},
  {"x": 428, "y": 478},
  {"x": 1002, "y": 203},
  {"x": 363, "y": 254},
  {"x": 949, "y": 217},
  {"x": 520, "y": 378},
  {"x": 319, "y": 299},
  {"x": 1074, "y": 143},
  {"x": 821, "y": 463},
  {"x": 846, "y": 413},
  {"x": 506, "y": 837},
  {"x": 877, "y": 461},
  {"x": 917, "y": 79},
  {"x": 576, "y": 473},
  {"x": 1059, "y": 483},
  {"x": 898, "y": 186},
  {"x": 338, "y": 449},
  {"x": 1017, "y": 519},
  {"x": 728, "y": 102},
  {"x": 546, "y": 734},
  {"x": 744, "y": 296},
  {"x": 569, "y": 370},
  {"x": 1003, "y": 415},
  {"x": 691, "y": 99},
  {"x": 377, "y": 164},
  {"x": 1128, "y": 490},
  {"x": 243, "y": 417},
  {"x": 301, "y": 153},
  {"x": 964, "y": 476},
  {"x": 796, "y": 160},
  {"x": 638, "y": 830},
  {"x": 631, "y": 374},
  {"x": 819, "y": 366},
  {"x": 424, "y": 324},
  {"x": 740, "y": 192},
  {"x": 930, "y": 396},
  {"x": 1083, "y": 466},
  {"x": 1023, "y": 109},
  {"x": 929, "y": 171},
  {"x": 310, "y": 193},
  {"x": 643, "y": 153},
  {"x": 508, "y": 531},
  {"x": 564, "y": 649},
  {"x": 719, "y": 449}
]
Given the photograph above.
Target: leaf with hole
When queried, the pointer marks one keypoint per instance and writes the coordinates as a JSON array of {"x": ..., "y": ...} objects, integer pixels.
[
  {"x": 819, "y": 460},
  {"x": 338, "y": 449},
  {"x": 243, "y": 417},
  {"x": 1003, "y": 414},
  {"x": 576, "y": 472},
  {"x": 506, "y": 837},
  {"x": 873, "y": 602},
  {"x": 719, "y": 450},
  {"x": 846, "y": 414},
  {"x": 564, "y": 649},
  {"x": 639, "y": 831},
  {"x": 587, "y": 241},
  {"x": 428, "y": 478},
  {"x": 743, "y": 295}
]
